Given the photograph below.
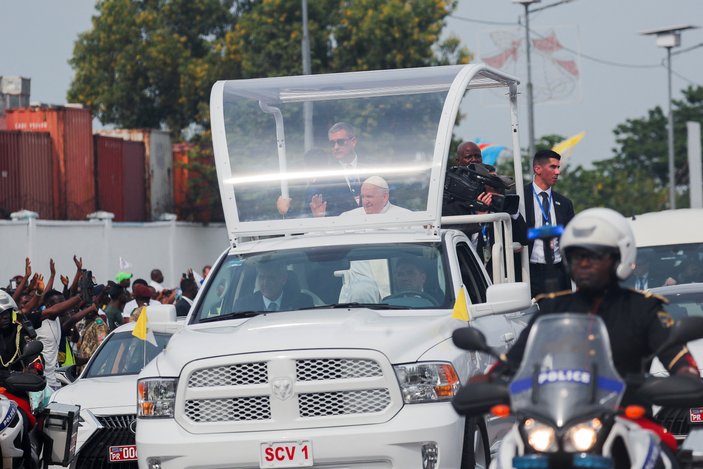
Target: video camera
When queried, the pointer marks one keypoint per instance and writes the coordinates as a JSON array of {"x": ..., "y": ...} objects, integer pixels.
[
  {"x": 86, "y": 286},
  {"x": 466, "y": 183}
]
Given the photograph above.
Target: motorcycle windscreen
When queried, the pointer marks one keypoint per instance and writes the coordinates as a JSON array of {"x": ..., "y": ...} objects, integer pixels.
[{"x": 567, "y": 368}]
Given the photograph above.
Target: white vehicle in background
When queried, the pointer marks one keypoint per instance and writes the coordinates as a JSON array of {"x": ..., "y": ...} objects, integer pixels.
[
  {"x": 361, "y": 371},
  {"x": 672, "y": 242},
  {"x": 106, "y": 390}
]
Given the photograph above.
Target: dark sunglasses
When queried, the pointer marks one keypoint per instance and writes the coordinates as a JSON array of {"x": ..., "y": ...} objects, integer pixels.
[
  {"x": 340, "y": 141},
  {"x": 591, "y": 256}
]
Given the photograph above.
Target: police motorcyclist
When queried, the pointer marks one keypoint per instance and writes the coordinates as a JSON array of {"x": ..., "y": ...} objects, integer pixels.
[
  {"x": 598, "y": 248},
  {"x": 13, "y": 338}
]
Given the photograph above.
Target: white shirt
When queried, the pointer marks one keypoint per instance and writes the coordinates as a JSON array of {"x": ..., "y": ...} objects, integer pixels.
[
  {"x": 129, "y": 307},
  {"x": 537, "y": 256},
  {"x": 157, "y": 286},
  {"x": 49, "y": 333},
  {"x": 267, "y": 302},
  {"x": 389, "y": 209}
]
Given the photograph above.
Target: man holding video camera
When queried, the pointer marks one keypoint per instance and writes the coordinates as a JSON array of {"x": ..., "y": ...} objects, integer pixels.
[{"x": 477, "y": 189}]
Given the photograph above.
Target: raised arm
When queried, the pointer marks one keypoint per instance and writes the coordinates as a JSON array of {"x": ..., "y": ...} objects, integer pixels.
[{"x": 27, "y": 273}]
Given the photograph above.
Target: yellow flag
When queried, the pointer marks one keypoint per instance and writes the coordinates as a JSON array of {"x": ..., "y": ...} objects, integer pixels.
[
  {"x": 460, "y": 312},
  {"x": 139, "y": 330},
  {"x": 565, "y": 147}
]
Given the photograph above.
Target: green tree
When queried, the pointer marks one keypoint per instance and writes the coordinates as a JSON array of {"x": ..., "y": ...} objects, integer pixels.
[{"x": 150, "y": 63}]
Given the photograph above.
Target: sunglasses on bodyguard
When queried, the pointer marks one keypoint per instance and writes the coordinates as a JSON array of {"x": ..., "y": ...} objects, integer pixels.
[{"x": 340, "y": 141}]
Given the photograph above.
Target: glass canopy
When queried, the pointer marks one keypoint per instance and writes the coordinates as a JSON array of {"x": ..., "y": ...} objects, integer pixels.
[{"x": 338, "y": 151}]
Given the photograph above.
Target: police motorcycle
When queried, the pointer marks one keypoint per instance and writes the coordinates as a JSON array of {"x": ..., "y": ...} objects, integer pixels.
[
  {"x": 565, "y": 399},
  {"x": 52, "y": 431}
]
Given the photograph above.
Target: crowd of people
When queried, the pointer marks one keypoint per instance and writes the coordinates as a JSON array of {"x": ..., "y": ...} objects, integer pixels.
[{"x": 73, "y": 316}]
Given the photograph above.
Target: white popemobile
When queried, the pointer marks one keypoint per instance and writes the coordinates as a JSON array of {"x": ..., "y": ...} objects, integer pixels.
[{"x": 320, "y": 339}]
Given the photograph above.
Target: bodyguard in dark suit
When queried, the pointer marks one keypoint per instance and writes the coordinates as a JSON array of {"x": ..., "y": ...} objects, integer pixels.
[
  {"x": 189, "y": 288},
  {"x": 272, "y": 294},
  {"x": 544, "y": 206}
]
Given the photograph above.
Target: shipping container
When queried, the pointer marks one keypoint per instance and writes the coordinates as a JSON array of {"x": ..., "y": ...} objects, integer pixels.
[
  {"x": 72, "y": 156},
  {"x": 26, "y": 177},
  {"x": 158, "y": 164},
  {"x": 193, "y": 167},
  {"x": 120, "y": 178}
]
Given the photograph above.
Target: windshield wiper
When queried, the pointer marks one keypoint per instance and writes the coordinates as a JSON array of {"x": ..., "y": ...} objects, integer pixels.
[
  {"x": 355, "y": 305},
  {"x": 233, "y": 315}
]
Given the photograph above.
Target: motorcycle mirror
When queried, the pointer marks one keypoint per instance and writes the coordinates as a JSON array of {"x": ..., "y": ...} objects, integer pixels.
[
  {"x": 470, "y": 338},
  {"x": 35, "y": 347},
  {"x": 478, "y": 399}
]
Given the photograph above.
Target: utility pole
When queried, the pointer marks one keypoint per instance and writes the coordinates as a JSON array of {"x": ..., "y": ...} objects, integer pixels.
[
  {"x": 530, "y": 96},
  {"x": 668, "y": 38}
]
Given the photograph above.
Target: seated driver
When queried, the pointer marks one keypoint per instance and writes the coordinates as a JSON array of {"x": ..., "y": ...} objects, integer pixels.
[
  {"x": 409, "y": 276},
  {"x": 272, "y": 294}
]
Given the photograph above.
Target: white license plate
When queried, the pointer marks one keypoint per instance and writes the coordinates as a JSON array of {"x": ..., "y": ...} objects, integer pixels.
[
  {"x": 696, "y": 415},
  {"x": 286, "y": 454},
  {"x": 122, "y": 453}
]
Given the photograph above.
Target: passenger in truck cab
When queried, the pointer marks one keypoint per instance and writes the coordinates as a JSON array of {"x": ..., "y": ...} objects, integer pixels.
[{"x": 272, "y": 294}]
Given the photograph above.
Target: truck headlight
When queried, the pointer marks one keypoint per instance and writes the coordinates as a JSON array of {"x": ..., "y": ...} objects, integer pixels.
[
  {"x": 582, "y": 436},
  {"x": 156, "y": 397},
  {"x": 427, "y": 382}
]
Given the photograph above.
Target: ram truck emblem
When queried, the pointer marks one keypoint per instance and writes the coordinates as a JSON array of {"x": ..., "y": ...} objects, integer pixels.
[{"x": 282, "y": 388}]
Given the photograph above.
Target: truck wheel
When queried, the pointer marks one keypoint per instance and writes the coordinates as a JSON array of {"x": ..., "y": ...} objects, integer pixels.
[{"x": 477, "y": 451}]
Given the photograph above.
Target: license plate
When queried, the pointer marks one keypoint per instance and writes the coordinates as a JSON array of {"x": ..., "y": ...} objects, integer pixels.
[
  {"x": 286, "y": 454},
  {"x": 122, "y": 453},
  {"x": 696, "y": 415}
]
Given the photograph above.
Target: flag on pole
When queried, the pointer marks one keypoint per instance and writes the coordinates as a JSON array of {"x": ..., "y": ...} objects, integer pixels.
[
  {"x": 566, "y": 147},
  {"x": 460, "y": 311},
  {"x": 141, "y": 331},
  {"x": 124, "y": 265},
  {"x": 489, "y": 151}
]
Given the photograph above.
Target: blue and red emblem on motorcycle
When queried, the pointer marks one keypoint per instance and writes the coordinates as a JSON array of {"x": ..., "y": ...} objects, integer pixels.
[{"x": 695, "y": 414}]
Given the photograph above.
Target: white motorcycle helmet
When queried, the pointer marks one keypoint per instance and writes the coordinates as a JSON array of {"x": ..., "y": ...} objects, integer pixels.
[
  {"x": 599, "y": 229},
  {"x": 6, "y": 302}
]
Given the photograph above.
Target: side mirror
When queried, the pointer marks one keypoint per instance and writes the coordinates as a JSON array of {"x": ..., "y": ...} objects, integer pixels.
[
  {"x": 503, "y": 298},
  {"x": 470, "y": 338},
  {"x": 478, "y": 399},
  {"x": 33, "y": 348},
  {"x": 66, "y": 374}
]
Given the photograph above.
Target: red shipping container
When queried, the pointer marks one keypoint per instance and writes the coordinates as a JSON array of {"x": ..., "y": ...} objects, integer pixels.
[
  {"x": 71, "y": 131},
  {"x": 26, "y": 179},
  {"x": 180, "y": 176},
  {"x": 120, "y": 178}
]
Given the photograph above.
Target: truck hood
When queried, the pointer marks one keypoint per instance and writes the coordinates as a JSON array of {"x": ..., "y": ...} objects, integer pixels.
[
  {"x": 402, "y": 337},
  {"x": 103, "y": 396}
]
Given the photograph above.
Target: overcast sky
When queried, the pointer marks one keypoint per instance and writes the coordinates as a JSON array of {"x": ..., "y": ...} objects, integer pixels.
[{"x": 37, "y": 36}]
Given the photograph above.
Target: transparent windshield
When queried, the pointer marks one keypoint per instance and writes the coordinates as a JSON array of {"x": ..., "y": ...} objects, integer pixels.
[
  {"x": 381, "y": 276},
  {"x": 567, "y": 368},
  {"x": 123, "y": 354},
  {"x": 682, "y": 263}
]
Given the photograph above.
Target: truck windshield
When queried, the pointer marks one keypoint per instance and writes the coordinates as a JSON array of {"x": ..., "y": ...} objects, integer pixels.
[{"x": 379, "y": 276}]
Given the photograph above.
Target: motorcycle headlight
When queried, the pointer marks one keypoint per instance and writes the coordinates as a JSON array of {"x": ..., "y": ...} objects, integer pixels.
[
  {"x": 582, "y": 436},
  {"x": 156, "y": 397},
  {"x": 427, "y": 382},
  {"x": 540, "y": 437}
]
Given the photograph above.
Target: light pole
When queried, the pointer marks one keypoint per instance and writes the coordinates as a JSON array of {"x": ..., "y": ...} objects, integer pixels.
[
  {"x": 668, "y": 38},
  {"x": 530, "y": 99}
]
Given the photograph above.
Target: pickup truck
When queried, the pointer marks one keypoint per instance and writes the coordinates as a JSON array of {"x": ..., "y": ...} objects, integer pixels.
[{"x": 322, "y": 338}]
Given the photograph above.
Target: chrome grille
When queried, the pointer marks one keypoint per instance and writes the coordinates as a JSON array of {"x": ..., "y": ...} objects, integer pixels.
[
  {"x": 337, "y": 368},
  {"x": 232, "y": 375},
  {"x": 225, "y": 410},
  {"x": 287, "y": 390},
  {"x": 325, "y": 404}
]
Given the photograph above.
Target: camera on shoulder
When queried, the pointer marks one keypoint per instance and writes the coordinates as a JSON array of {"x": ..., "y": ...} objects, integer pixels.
[{"x": 466, "y": 183}]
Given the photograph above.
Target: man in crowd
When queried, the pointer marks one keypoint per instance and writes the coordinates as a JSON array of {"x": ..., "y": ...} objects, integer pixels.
[
  {"x": 468, "y": 153},
  {"x": 545, "y": 206},
  {"x": 189, "y": 288},
  {"x": 157, "y": 280}
]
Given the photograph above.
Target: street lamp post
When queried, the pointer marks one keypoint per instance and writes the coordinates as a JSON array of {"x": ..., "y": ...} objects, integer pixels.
[
  {"x": 307, "y": 70},
  {"x": 668, "y": 38},
  {"x": 530, "y": 99}
]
